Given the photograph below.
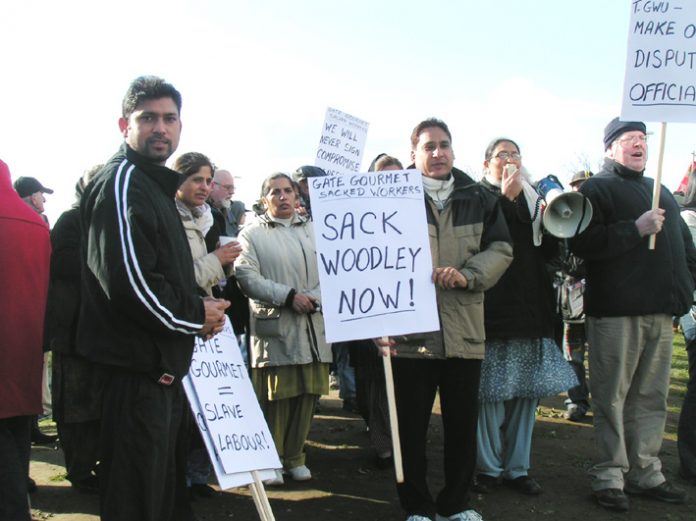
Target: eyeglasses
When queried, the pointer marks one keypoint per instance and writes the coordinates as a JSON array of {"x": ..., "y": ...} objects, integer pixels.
[
  {"x": 504, "y": 156},
  {"x": 632, "y": 141},
  {"x": 229, "y": 188}
]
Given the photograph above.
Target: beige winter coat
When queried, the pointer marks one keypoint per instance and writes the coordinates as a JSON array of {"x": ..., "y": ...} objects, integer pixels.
[
  {"x": 207, "y": 267},
  {"x": 470, "y": 234},
  {"x": 275, "y": 260}
]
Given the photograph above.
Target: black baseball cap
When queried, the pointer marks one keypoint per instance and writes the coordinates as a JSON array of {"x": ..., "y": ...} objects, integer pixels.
[{"x": 25, "y": 186}]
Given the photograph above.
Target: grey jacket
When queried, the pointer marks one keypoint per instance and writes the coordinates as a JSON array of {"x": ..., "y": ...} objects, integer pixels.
[
  {"x": 206, "y": 265},
  {"x": 276, "y": 262}
]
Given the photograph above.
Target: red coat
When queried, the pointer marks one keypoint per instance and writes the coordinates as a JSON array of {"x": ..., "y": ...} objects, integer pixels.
[
  {"x": 685, "y": 180},
  {"x": 25, "y": 251}
]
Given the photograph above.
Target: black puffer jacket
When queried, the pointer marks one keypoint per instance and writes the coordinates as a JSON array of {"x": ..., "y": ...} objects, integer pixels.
[
  {"x": 140, "y": 303},
  {"x": 624, "y": 277}
]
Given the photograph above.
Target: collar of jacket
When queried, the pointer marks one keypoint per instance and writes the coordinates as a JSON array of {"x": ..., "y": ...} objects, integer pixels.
[
  {"x": 490, "y": 186},
  {"x": 461, "y": 180},
  {"x": 617, "y": 168},
  {"x": 265, "y": 218},
  {"x": 167, "y": 178}
]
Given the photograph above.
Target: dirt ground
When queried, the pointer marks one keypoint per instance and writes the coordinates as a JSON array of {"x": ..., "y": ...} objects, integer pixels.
[{"x": 347, "y": 486}]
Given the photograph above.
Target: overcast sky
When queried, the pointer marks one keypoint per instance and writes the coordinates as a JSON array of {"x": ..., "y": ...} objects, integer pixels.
[{"x": 257, "y": 76}]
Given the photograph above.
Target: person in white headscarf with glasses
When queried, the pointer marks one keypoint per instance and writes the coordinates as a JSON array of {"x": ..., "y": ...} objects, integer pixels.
[{"x": 523, "y": 363}]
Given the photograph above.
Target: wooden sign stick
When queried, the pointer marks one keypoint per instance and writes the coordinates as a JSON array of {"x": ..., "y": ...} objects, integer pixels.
[
  {"x": 258, "y": 493},
  {"x": 393, "y": 419},
  {"x": 658, "y": 178}
]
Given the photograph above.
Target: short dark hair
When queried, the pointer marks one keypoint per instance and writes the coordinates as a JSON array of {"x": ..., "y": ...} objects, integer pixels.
[
  {"x": 497, "y": 141},
  {"x": 191, "y": 162},
  {"x": 147, "y": 88},
  {"x": 429, "y": 123}
]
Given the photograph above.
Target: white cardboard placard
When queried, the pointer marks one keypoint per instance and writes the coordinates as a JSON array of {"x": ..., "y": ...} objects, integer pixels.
[
  {"x": 373, "y": 253},
  {"x": 342, "y": 143},
  {"x": 228, "y": 413},
  {"x": 660, "y": 80}
]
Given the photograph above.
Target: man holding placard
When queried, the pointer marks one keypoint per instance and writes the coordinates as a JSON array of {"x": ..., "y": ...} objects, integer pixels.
[
  {"x": 631, "y": 295},
  {"x": 470, "y": 248}
]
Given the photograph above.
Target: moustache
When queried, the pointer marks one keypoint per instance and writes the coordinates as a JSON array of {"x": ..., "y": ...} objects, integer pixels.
[{"x": 158, "y": 139}]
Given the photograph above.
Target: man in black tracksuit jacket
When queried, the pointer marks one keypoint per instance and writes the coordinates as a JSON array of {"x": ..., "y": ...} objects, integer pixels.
[{"x": 140, "y": 310}]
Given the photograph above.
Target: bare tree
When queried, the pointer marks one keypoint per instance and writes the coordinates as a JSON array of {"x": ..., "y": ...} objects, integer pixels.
[{"x": 583, "y": 161}]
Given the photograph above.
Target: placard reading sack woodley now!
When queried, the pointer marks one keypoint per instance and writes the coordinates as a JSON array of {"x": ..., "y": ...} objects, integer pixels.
[{"x": 373, "y": 252}]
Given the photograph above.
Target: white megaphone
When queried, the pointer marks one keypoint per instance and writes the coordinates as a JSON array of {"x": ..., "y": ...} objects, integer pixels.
[{"x": 566, "y": 213}]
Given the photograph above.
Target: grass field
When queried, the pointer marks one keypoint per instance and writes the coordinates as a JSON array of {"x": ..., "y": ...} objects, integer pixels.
[{"x": 677, "y": 386}]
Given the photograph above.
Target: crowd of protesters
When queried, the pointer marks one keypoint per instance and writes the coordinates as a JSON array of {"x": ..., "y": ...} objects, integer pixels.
[{"x": 150, "y": 257}]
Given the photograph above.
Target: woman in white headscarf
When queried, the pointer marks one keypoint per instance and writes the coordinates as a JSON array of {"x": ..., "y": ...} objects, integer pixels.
[{"x": 522, "y": 362}]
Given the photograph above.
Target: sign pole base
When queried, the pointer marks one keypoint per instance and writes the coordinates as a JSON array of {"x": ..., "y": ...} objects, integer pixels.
[
  {"x": 393, "y": 419},
  {"x": 258, "y": 493}
]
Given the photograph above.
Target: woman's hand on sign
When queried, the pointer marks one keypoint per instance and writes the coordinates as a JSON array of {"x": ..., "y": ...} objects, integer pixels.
[
  {"x": 385, "y": 345},
  {"x": 449, "y": 278}
]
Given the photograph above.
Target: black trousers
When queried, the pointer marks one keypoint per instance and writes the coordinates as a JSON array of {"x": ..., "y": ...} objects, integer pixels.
[
  {"x": 15, "y": 447},
  {"x": 142, "y": 450},
  {"x": 80, "y": 443},
  {"x": 415, "y": 382}
]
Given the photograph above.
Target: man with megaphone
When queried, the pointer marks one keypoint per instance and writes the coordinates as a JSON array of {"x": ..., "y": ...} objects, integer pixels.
[{"x": 632, "y": 293}]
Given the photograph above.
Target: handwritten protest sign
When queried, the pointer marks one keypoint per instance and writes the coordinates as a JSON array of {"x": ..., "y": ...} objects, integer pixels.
[
  {"x": 660, "y": 82},
  {"x": 341, "y": 144},
  {"x": 373, "y": 253},
  {"x": 227, "y": 411}
]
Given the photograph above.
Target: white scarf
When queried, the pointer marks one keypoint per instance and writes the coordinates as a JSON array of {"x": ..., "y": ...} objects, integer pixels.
[
  {"x": 439, "y": 190},
  {"x": 201, "y": 215}
]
